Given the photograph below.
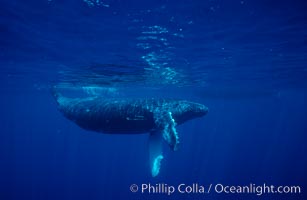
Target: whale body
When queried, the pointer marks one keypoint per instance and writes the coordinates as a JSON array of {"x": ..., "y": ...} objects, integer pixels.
[{"x": 156, "y": 116}]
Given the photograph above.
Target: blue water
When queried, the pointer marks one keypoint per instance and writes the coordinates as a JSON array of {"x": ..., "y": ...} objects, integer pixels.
[{"x": 246, "y": 60}]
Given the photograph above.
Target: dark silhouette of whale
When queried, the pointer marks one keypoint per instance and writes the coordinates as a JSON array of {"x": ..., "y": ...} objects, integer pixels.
[{"x": 158, "y": 117}]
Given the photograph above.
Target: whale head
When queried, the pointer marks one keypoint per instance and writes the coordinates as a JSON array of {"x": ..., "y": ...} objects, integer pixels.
[{"x": 183, "y": 111}]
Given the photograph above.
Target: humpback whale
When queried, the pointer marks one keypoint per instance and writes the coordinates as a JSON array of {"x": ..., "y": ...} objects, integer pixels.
[{"x": 156, "y": 116}]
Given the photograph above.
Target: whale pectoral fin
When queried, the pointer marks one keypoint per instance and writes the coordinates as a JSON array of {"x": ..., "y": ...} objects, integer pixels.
[
  {"x": 165, "y": 121},
  {"x": 155, "y": 152},
  {"x": 165, "y": 129},
  {"x": 170, "y": 133}
]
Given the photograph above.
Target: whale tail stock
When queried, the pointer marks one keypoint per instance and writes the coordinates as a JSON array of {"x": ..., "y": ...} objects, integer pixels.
[
  {"x": 61, "y": 100},
  {"x": 55, "y": 93}
]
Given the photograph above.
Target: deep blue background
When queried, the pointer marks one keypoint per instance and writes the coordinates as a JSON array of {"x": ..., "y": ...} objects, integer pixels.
[{"x": 245, "y": 60}]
